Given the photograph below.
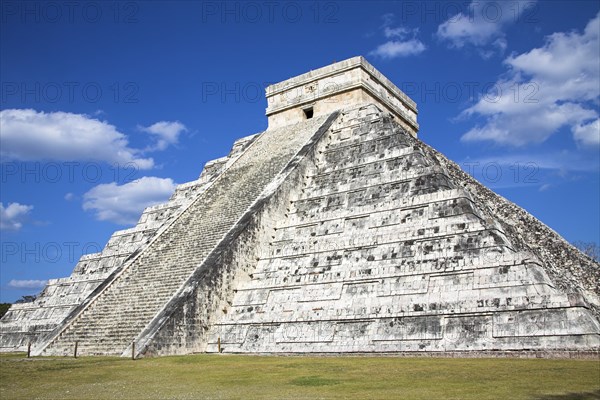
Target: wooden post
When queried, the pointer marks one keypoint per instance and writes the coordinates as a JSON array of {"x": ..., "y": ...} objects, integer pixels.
[
  {"x": 133, "y": 350},
  {"x": 219, "y": 343},
  {"x": 75, "y": 351},
  {"x": 29, "y": 350}
]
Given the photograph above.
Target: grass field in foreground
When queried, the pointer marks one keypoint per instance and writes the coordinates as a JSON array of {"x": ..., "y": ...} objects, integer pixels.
[{"x": 262, "y": 377}]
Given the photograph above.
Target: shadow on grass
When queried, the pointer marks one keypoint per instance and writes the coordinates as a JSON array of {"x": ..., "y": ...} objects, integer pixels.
[{"x": 572, "y": 396}]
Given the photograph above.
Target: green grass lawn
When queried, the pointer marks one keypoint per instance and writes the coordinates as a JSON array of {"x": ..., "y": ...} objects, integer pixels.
[{"x": 262, "y": 377}]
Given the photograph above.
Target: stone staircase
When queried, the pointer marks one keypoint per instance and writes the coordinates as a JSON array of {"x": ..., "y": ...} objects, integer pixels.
[
  {"x": 32, "y": 322},
  {"x": 117, "y": 315}
]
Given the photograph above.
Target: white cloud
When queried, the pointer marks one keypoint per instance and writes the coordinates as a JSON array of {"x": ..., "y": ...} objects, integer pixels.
[
  {"x": 587, "y": 135},
  {"x": 482, "y": 25},
  {"x": 166, "y": 133},
  {"x": 27, "y": 283},
  {"x": 399, "y": 32},
  {"x": 531, "y": 123},
  {"x": 69, "y": 196},
  {"x": 124, "y": 204},
  {"x": 544, "y": 90},
  {"x": 11, "y": 217},
  {"x": 563, "y": 55},
  {"x": 542, "y": 170},
  {"x": 29, "y": 135},
  {"x": 395, "y": 48},
  {"x": 402, "y": 43}
]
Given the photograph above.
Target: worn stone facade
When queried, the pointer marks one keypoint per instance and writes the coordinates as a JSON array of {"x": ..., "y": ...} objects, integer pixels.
[
  {"x": 384, "y": 249},
  {"x": 334, "y": 87},
  {"x": 334, "y": 231}
]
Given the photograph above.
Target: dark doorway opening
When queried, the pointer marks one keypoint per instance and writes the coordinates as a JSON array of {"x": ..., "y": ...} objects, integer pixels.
[{"x": 308, "y": 112}]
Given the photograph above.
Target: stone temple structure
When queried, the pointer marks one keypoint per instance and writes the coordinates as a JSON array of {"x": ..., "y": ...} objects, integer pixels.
[{"x": 336, "y": 230}]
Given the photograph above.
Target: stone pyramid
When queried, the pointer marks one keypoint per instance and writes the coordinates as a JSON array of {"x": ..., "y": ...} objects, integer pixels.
[{"x": 336, "y": 230}]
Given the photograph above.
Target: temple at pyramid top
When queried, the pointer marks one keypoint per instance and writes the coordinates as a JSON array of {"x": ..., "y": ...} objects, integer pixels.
[{"x": 340, "y": 85}]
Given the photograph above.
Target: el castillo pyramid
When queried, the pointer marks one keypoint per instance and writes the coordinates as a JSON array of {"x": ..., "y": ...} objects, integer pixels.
[{"x": 336, "y": 230}]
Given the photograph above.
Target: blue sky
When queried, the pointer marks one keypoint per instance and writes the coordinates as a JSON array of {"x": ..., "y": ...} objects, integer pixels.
[{"x": 107, "y": 100}]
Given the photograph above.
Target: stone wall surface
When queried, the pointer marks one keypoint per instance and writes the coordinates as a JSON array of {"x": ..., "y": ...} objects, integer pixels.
[
  {"x": 27, "y": 323},
  {"x": 336, "y": 86},
  {"x": 570, "y": 270},
  {"x": 389, "y": 247}
]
